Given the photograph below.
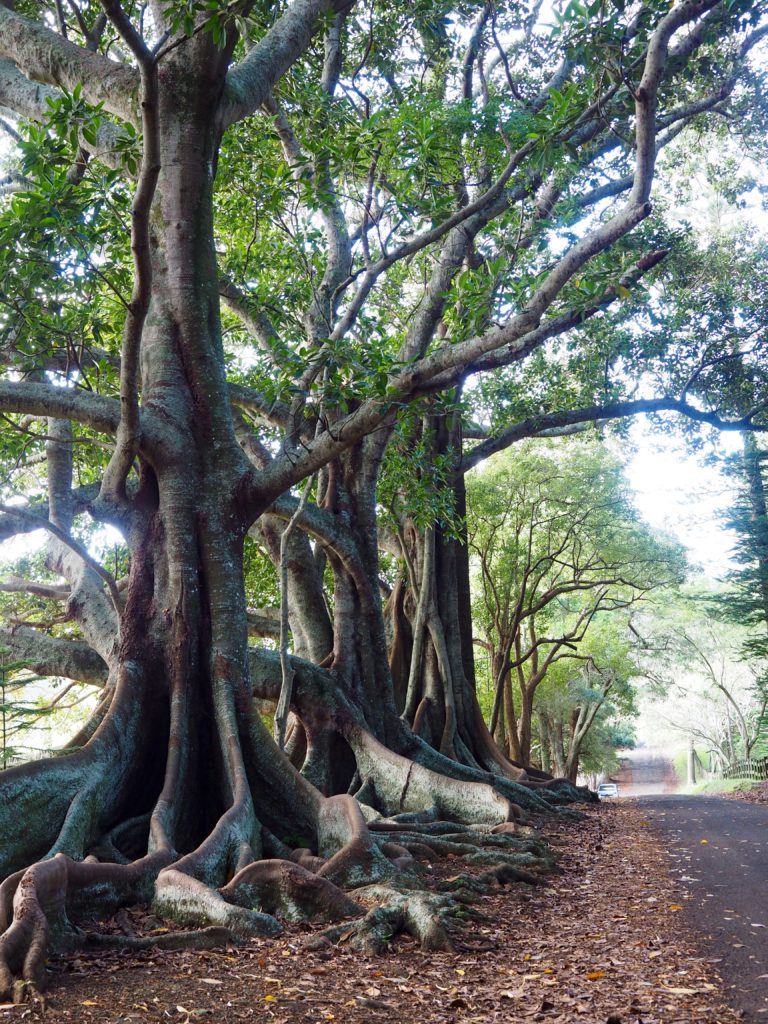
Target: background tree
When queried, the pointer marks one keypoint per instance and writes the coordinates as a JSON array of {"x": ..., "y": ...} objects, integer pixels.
[
  {"x": 745, "y": 601},
  {"x": 704, "y": 687},
  {"x": 557, "y": 546},
  {"x": 582, "y": 708}
]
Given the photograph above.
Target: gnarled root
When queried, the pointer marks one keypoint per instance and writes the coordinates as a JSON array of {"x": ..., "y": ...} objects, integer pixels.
[
  {"x": 44, "y": 896},
  {"x": 23, "y": 947},
  {"x": 562, "y": 791},
  {"x": 402, "y": 785},
  {"x": 289, "y": 891},
  {"x": 188, "y": 900},
  {"x": 203, "y": 938},
  {"x": 433, "y": 840},
  {"x": 354, "y": 858},
  {"x": 421, "y": 914},
  {"x": 486, "y": 881}
]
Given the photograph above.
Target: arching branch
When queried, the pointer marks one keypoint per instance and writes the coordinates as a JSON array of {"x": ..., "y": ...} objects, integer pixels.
[
  {"x": 51, "y": 656},
  {"x": 94, "y": 410},
  {"x": 537, "y": 426},
  {"x": 47, "y": 58}
]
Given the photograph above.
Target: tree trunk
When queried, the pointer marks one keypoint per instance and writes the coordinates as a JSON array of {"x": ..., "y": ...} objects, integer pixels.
[
  {"x": 758, "y": 514},
  {"x": 545, "y": 736},
  {"x": 180, "y": 784},
  {"x": 558, "y": 748}
]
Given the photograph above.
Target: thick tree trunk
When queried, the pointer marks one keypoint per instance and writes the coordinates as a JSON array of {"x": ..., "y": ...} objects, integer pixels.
[
  {"x": 557, "y": 748},
  {"x": 180, "y": 783},
  {"x": 440, "y": 701},
  {"x": 545, "y": 735},
  {"x": 179, "y": 791}
]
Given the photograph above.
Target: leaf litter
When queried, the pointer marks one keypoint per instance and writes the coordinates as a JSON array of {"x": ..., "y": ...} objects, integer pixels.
[{"x": 601, "y": 944}]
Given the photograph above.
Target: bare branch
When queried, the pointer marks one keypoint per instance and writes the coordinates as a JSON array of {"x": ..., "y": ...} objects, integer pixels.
[
  {"x": 47, "y": 591},
  {"x": 537, "y": 426},
  {"x": 49, "y": 656},
  {"x": 250, "y": 83},
  {"x": 30, "y": 100},
  {"x": 97, "y": 411},
  {"x": 255, "y": 320},
  {"x": 264, "y": 622},
  {"x": 72, "y": 544}
]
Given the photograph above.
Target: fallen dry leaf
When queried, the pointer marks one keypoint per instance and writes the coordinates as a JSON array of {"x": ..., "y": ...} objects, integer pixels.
[{"x": 607, "y": 917}]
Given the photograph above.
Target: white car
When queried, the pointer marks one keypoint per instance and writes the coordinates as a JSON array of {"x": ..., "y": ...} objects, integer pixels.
[{"x": 607, "y": 789}]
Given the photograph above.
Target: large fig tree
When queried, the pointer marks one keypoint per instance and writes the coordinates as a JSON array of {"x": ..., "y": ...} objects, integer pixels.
[{"x": 354, "y": 185}]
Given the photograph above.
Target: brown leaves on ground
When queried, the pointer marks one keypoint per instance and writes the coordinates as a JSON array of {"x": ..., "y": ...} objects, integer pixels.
[
  {"x": 756, "y": 794},
  {"x": 603, "y": 944}
]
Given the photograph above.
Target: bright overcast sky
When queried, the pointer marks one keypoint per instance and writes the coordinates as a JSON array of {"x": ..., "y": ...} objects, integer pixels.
[
  {"x": 678, "y": 492},
  {"x": 674, "y": 489}
]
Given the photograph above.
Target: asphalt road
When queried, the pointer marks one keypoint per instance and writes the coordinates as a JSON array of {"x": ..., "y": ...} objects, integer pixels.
[{"x": 719, "y": 853}]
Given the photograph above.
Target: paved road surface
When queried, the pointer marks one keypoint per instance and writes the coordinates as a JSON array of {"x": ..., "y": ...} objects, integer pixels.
[{"x": 719, "y": 851}]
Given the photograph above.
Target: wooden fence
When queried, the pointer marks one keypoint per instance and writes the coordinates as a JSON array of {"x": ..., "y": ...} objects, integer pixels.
[{"x": 754, "y": 768}]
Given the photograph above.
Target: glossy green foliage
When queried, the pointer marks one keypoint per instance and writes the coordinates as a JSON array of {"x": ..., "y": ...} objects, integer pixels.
[{"x": 557, "y": 547}]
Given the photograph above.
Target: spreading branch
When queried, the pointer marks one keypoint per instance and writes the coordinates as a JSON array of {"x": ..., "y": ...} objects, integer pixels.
[
  {"x": 538, "y": 426},
  {"x": 35, "y": 522},
  {"x": 49, "y": 59}
]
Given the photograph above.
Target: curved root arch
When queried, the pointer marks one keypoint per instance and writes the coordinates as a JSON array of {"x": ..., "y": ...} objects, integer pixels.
[{"x": 274, "y": 847}]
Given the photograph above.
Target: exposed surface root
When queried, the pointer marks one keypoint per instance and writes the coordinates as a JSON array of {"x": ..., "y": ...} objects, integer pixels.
[
  {"x": 422, "y": 915},
  {"x": 433, "y": 827},
  {"x": 486, "y": 881},
  {"x": 402, "y": 785},
  {"x": 223, "y": 888},
  {"x": 187, "y": 900},
  {"x": 44, "y": 896},
  {"x": 354, "y": 858},
  {"x": 434, "y": 840},
  {"x": 289, "y": 891},
  {"x": 203, "y": 938}
]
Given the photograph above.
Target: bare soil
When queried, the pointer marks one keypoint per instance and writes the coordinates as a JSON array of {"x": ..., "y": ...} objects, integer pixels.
[{"x": 604, "y": 943}]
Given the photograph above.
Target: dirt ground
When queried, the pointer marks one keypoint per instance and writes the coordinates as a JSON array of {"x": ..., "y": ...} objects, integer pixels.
[{"x": 603, "y": 943}]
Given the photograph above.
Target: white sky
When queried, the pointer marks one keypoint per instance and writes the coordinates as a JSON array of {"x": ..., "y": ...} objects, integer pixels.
[{"x": 678, "y": 492}]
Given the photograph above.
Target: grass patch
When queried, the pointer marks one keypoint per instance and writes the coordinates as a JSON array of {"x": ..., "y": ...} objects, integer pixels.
[
  {"x": 680, "y": 761},
  {"x": 720, "y": 786}
]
